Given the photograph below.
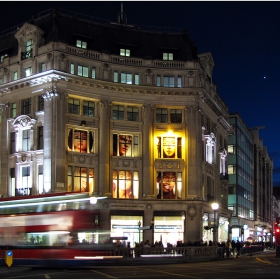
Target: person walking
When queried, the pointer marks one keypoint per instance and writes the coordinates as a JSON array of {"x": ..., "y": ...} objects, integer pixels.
[{"x": 238, "y": 248}]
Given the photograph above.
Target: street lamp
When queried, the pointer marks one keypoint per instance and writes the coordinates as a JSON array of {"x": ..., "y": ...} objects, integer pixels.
[
  {"x": 215, "y": 207},
  {"x": 139, "y": 225}
]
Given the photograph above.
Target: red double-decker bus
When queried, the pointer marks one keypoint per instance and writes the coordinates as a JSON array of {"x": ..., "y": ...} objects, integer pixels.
[{"x": 56, "y": 229}]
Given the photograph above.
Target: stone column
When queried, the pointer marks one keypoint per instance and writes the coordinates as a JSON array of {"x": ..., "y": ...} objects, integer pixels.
[
  {"x": 50, "y": 138},
  {"x": 147, "y": 152},
  {"x": 104, "y": 148}
]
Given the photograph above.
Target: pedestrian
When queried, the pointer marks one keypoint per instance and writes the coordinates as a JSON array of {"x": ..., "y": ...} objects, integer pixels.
[{"x": 238, "y": 248}]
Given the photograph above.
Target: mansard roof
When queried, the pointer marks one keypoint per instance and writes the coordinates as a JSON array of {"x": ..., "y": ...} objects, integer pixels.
[{"x": 109, "y": 38}]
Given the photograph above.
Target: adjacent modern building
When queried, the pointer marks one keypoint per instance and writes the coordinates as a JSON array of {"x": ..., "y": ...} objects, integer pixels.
[
  {"x": 124, "y": 113},
  {"x": 250, "y": 184}
]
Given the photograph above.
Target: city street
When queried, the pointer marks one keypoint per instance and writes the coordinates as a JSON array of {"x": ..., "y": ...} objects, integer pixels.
[{"x": 260, "y": 266}]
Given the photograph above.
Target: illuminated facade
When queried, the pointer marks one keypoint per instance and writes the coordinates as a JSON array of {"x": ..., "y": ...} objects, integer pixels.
[{"x": 115, "y": 111}]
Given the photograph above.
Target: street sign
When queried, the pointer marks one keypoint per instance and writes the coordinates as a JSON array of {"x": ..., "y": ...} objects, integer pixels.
[
  {"x": 9, "y": 257},
  {"x": 145, "y": 227}
]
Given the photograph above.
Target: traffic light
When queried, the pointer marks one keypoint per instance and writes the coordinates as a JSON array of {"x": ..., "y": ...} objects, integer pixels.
[{"x": 9, "y": 257}]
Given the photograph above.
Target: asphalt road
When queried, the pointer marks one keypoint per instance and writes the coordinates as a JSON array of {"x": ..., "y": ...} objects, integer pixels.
[{"x": 260, "y": 266}]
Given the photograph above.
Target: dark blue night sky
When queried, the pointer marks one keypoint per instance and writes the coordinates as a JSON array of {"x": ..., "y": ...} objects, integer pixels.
[{"x": 243, "y": 37}]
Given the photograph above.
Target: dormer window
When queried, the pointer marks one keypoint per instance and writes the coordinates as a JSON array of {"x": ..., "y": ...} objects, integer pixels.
[
  {"x": 2, "y": 57},
  {"x": 28, "y": 49},
  {"x": 81, "y": 44},
  {"x": 124, "y": 52},
  {"x": 167, "y": 56}
]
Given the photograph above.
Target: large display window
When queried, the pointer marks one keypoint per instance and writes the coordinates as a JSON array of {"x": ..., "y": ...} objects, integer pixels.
[
  {"x": 125, "y": 145},
  {"x": 125, "y": 184},
  {"x": 169, "y": 147},
  {"x": 80, "y": 141},
  {"x": 169, "y": 230},
  {"x": 169, "y": 185}
]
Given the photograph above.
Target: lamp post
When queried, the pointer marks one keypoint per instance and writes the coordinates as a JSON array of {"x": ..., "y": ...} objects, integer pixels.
[
  {"x": 215, "y": 207},
  {"x": 139, "y": 225}
]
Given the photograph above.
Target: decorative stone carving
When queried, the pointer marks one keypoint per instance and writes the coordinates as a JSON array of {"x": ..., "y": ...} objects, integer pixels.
[{"x": 192, "y": 211}]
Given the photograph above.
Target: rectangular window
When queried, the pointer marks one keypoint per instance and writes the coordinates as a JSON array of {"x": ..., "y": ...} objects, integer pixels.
[
  {"x": 161, "y": 115},
  {"x": 43, "y": 67},
  {"x": 136, "y": 79},
  {"x": 26, "y": 140},
  {"x": 118, "y": 112},
  {"x": 25, "y": 183},
  {"x": 116, "y": 77},
  {"x": 124, "y": 52},
  {"x": 40, "y": 138},
  {"x": 82, "y": 71},
  {"x": 158, "y": 81},
  {"x": 81, "y": 141},
  {"x": 1, "y": 81},
  {"x": 72, "y": 68},
  {"x": 125, "y": 145},
  {"x": 231, "y": 149},
  {"x": 93, "y": 73},
  {"x": 167, "y": 56},
  {"x": 13, "y": 110},
  {"x": 81, "y": 44},
  {"x": 26, "y": 106},
  {"x": 28, "y": 72},
  {"x": 179, "y": 81},
  {"x": 169, "y": 147},
  {"x": 13, "y": 180},
  {"x": 231, "y": 169},
  {"x": 88, "y": 108},
  {"x": 73, "y": 106},
  {"x": 40, "y": 179},
  {"x": 2, "y": 57},
  {"x": 83, "y": 179},
  {"x": 125, "y": 184},
  {"x": 176, "y": 116},
  {"x": 40, "y": 103},
  {"x": 168, "y": 81},
  {"x": 13, "y": 143},
  {"x": 126, "y": 78},
  {"x": 169, "y": 185},
  {"x": 132, "y": 113},
  {"x": 15, "y": 76}
]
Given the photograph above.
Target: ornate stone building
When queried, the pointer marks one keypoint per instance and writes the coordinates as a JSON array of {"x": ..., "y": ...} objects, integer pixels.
[{"x": 120, "y": 112}]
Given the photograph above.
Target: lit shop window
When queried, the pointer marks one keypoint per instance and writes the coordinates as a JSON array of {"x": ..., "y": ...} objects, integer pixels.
[
  {"x": 124, "y": 52},
  {"x": 169, "y": 185},
  {"x": 169, "y": 147},
  {"x": 81, "y": 44},
  {"x": 125, "y": 145},
  {"x": 80, "y": 141},
  {"x": 80, "y": 179},
  {"x": 125, "y": 184}
]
